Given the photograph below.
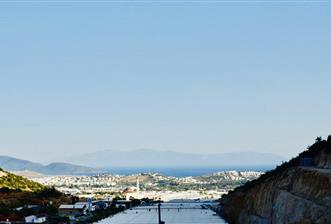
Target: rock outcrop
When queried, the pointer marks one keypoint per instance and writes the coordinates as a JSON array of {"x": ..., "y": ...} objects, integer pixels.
[{"x": 298, "y": 191}]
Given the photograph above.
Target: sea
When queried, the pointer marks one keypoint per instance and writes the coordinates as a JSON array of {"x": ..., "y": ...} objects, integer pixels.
[{"x": 182, "y": 171}]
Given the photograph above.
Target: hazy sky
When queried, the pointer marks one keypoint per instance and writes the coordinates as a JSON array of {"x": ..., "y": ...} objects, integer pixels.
[{"x": 190, "y": 76}]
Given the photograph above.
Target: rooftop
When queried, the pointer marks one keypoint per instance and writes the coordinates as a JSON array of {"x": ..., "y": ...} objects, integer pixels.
[
  {"x": 80, "y": 206},
  {"x": 172, "y": 213}
]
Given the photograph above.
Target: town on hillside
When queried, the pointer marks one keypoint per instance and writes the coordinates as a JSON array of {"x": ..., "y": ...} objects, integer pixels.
[{"x": 88, "y": 198}]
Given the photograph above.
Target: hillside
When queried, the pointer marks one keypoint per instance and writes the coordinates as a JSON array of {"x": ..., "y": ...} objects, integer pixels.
[
  {"x": 65, "y": 168},
  {"x": 16, "y": 191},
  {"x": 14, "y": 164},
  {"x": 298, "y": 191},
  {"x": 13, "y": 182},
  {"x": 155, "y": 158}
]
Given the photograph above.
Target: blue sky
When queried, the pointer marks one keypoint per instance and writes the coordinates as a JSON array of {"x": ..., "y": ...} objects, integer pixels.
[{"x": 192, "y": 77}]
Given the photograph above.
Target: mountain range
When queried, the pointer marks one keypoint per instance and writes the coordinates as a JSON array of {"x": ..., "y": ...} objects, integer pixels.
[
  {"x": 155, "y": 158},
  {"x": 140, "y": 158},
  {"x": 14, "y": 164}
]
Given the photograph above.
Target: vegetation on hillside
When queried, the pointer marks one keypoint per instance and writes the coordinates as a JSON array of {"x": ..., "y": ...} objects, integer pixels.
[
  {"x": 18, "y": 183},
  {"x": 311, "y": 151},
  {"x": 16, "y": 191}
]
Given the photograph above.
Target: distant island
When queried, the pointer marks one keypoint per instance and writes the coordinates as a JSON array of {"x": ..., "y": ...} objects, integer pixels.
[
  {"x": 146, "y": 160},
  {"x": 14, "y": 164},
  {"x": 155, "y": 158}
]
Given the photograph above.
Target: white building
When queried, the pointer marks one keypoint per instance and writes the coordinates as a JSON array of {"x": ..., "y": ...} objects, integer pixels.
[{"x": 35, "y": 219}]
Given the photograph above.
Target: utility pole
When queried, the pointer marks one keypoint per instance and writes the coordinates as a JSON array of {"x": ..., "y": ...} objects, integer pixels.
[{"x": 159, "y": 212}]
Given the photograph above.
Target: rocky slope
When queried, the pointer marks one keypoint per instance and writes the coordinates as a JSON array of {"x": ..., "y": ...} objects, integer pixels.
[{"x": 298, "y": 191}]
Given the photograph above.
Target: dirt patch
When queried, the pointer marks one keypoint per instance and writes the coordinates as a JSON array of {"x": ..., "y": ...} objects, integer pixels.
[{"x": 2, "y": 174}]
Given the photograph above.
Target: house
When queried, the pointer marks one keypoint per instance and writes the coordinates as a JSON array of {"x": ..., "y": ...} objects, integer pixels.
[
  {"x": 35, "y": 219},
  {"x": 89, "y": 205},
  {"x": 72, "y": 210}
]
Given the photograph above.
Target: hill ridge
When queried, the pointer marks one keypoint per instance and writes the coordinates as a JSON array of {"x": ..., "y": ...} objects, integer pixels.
[{"x": 14, "y": 164}]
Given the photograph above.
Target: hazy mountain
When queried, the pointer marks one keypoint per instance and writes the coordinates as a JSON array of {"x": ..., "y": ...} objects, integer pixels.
[
  {"x": 147, "y": 157},
  {"x": 14, "y": 164},
  {"x": 66, "y": 168}
]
